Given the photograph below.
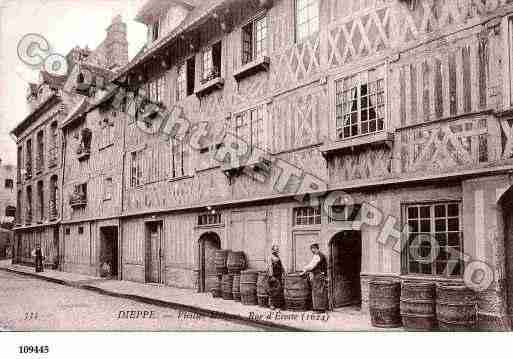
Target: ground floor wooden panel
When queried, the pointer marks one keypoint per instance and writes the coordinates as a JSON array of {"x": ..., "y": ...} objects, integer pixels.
[{"x": 25, "y": 241}]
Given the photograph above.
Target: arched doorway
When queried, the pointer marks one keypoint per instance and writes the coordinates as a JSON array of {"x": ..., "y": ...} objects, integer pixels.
[
  {"x": 506, "y": 203},
  {"x": 208, "y": 244},
  {"x": 345, "y": 268}
]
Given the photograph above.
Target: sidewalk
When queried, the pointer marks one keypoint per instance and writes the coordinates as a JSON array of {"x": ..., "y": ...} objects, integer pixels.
[{"x": 202, "y": 303}]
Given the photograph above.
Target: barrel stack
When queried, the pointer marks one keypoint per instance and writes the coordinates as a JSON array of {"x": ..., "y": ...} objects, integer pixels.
[{"x": 236, "y": 262}]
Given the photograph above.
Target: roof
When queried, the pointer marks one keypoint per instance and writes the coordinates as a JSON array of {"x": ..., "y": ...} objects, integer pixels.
[
  {"x": 23, "y": 125},
  {"x": 79, "y": 110},
  {"x": 55, "y": 82},
  {"x": 195, "y": 18}
]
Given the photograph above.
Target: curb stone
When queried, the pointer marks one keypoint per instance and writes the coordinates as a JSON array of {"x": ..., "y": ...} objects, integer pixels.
[{"x": 214, "y": 314}]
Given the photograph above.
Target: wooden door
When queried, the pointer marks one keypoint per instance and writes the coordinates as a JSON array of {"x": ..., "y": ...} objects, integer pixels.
[
  {"x": 209, "y": 244},
  {"x": 154, "y": 253},
  {"x": 346, "y": 252},
  {"x": 508, "y": 245}
]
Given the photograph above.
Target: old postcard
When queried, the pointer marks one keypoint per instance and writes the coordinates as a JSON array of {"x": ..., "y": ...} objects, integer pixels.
[{"x": 256, "y": 165}]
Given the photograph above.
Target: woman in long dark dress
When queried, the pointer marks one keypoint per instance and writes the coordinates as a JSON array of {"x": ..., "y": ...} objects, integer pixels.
[
  {"x": 38, "y": 254},
  {"x": 275, "y": 280}
]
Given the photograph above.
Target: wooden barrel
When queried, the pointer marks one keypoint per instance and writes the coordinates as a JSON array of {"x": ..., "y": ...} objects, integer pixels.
[
  {"x": 236, "y": 262},
  {"x": 220, "y": 261},
  {"x": 236, "y": 287},
  {"x": 214, "y": 285},
  {"x": 418, "y": 305},
  {"x": 297, "y": 292},
  {"x": 384, "y": 303},
  {"x": 455, "y": 308},
  {"x": 227, "y": 286},
  {"x": 262, "y": 295},
  {"x": 248, "y": 287}
]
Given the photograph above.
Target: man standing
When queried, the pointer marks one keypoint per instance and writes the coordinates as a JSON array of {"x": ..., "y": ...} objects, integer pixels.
[
  {"x": 275, "y": 281},
  {"x": 38, "y": 254},
  {"x": 318, "y": 268}
]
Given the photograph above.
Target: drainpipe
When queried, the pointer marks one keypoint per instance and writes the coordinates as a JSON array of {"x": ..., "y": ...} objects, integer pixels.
[{"x": 63, "y": 172}]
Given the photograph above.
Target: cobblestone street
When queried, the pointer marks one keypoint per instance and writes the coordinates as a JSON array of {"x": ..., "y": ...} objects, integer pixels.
[{"x": 28, "y": 304}]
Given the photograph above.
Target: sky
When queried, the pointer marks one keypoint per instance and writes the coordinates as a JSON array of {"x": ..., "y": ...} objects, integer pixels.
[{"x": 65, "y": 24}]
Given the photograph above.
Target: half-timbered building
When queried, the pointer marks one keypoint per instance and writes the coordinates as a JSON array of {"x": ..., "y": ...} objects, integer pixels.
[{"x": 395, "y": 114}]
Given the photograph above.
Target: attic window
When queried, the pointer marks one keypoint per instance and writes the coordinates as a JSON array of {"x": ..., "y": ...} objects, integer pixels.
[{"x": 156, "y": 30}]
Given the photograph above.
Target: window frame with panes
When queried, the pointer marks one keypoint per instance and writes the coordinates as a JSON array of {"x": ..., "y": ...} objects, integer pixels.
[
  {"x": 212, "y": 59},
  {"x": 180, "y": 166},
  {"x": 185, "y": 79},
  {"x": 254, "y": 39},
  {"x": 306, "y": 216},
  {"x": 433, "y": 222},
  {"x": 253, "y": 123},
  {"x": 136, "y": 169},
  {"x": 360, "y": 103},
  {"x": 311, "y": 20}
]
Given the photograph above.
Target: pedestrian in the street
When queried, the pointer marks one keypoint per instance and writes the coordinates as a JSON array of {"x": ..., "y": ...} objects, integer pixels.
[
  {"x": 38, "y": 255},
  {"x": 318, "y": 268},
  {"x": 275, "y": 279}
]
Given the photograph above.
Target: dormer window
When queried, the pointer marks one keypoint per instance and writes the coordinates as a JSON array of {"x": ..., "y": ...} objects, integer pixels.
[
  {"x": 84, "y": 148},
  {"x": 155, "y": 30}
]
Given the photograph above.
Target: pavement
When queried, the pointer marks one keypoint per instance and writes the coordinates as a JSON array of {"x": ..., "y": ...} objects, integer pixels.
[
  {"x": 28, "y": 304},
  {"x": 203, "y": 304}
]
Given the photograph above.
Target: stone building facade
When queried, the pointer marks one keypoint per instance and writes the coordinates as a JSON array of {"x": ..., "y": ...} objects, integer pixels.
[{"x": 369, "y": 127}]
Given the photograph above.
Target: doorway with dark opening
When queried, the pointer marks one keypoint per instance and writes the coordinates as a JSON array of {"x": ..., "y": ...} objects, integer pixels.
[
  {"x": 346, "y": 261},
  {"x": 109, "y": 252},
  {"x": 208, "y": 244}
]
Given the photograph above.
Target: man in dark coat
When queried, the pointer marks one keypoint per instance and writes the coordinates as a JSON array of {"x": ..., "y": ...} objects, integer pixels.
[
  {"x": 38, "y": 255},
  {"x": 318, "y": 268},
  {"x": 275, "y": 280}
]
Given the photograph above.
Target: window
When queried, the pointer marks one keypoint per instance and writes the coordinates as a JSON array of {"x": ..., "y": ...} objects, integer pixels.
[
  {"x": 181, "y": 83},
  {"x": 155, "y": 89},
  {"x": 28, "y": 208},
  {"x": 40, "y": 201},
  {"x": 19, "y": 212},
  {"x": 435, "y": 239},
  {"x": 52, "y": 152},
  {"x": 254, "y": 40},
  {"x": 9, "y": 184},
  {"x": 136, "y": 169},
  {"x": 28, "y": 159},
  {"x": 107, "y": 131},
  {"x": 211, "y": 61},
  {"x": 40, "y": 151},
  {"x": 10, "y": 211},
  {"x": 304, "y": 216},
  {"x": 185, "y": 79},
  {"x": 360, "y": 104},
  {"x": 179, "y": 159},
  {"x": 53, "y": 198},
  {"x": 209, "y": 219},
  {"x": 342, "y": 213},
  {"x": 20, "y": 162},
  {"x": 107, "y": 189},
  {"x": 307, "y": 18},
  {"x": 249, "y": 126},
  {"x": 79, "y": 196},
  {"x": 81, "y": 230},
  {"x": 155, "y": 30},
  {"x": 67, "y": 231}
]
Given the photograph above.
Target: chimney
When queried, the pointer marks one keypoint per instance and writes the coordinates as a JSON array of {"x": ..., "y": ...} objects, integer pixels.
[{"x": 116, "y": 43}]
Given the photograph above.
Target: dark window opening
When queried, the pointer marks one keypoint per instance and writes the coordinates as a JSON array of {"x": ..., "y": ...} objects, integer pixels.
[
  {"x": 80, "y": 230},
  {"x": 191, "y": 76},
  {"x": 254, "y": 40},
  {"x": 9, "y": 183}
]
